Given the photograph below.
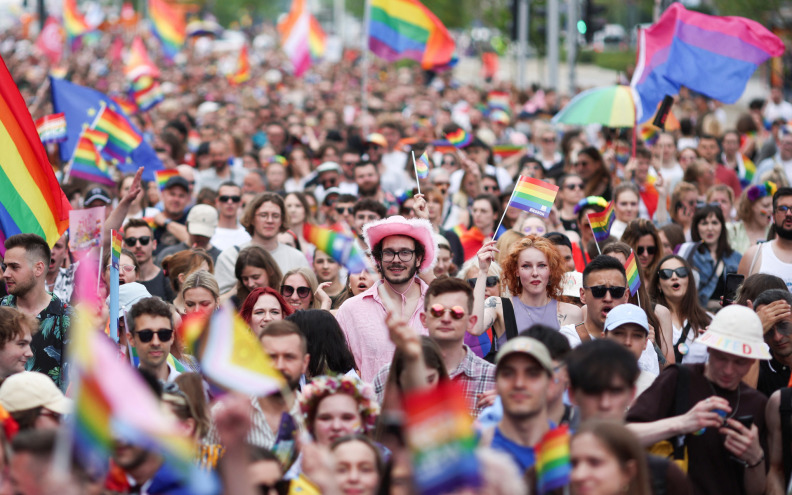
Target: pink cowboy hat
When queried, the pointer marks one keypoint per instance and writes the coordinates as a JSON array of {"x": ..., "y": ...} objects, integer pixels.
[{"x": 417, "y": 228}]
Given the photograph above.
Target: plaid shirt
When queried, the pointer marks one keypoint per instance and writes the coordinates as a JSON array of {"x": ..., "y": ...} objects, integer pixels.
[{"x": 475, "y": 374}]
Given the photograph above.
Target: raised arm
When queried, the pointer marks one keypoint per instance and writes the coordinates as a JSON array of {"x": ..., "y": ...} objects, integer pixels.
[{"x": 488, "y": 311}]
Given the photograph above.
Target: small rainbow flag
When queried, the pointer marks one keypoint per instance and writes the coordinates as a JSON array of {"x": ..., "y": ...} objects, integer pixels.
[
  {"x": 279, "y": 159},
  {"x": 633, "y": 279},
  {"x": 126, "y": 104},
  {"x": 649, "y": 134},
  {"x": 116, "y": 242},
  {"x": 168, "y": 26},
  {"x": 341, "y": 248},
  {"x": 242, "y": 72},
  {"x": 192, "y": 329},
  {"x": 601, "y": 222},
  {"x": 443, "y": 146},
  {"x": 317, "y": 39},
  {"x": 534, "y": 196},
  {"x": 459, "y": 138},
  {"x": 138, "y": 63},
  {"x": 422, "y": 166},
  {"x": 73, "y": 21},
  {"x": 506, "y": 150},
  {"x": 88, "y": 164},
  {"x": 98, "y": 138},
  {"x": 162, "y": 176},
  {"x": 148, "y": 97},
  {"x": 499, "y": 100},
  {"x": 553, "y": 466},
  {"x": 52, "y": 128},
  {"x": 122, "y": 139},
  {"x": 151, "y": 223},
  {"x": 750, "y": 169}
]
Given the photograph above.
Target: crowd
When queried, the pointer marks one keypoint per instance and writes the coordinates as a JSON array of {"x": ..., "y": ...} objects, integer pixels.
[{"x": 680, "y": 386}]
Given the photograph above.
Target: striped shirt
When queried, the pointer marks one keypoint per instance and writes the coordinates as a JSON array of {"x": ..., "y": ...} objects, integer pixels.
[{"x": 260, "y": 433}]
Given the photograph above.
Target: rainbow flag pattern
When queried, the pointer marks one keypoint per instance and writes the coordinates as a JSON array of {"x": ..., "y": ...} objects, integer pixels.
[
  {"x": 168, "y": 26},
  {"x": 459, "y": 138},
  {"x": 74, "y": 22},
  {"x": 122, "y": 138},
  {"x": 242, "y": 72},
  {"x": 126, "y": 104},
  {"x": 116, "y": 243},
  {"x": 151, "y": 223},
  {"x": 138, "y": 62},
  {"x": 295, "y": 36},
  {"x": 87, "y": 163},
  {"x": 649, "y": 134},
  {"x": 406, "y": 29},
  {"x": 148, "y": 97},
  {"x": 506, "y": 150},
  {"x": 534, "y": 196},
  {"x": 98, "y": 138},
  {"x": 443, "y": 146},
  {"x": 633, "y": 278},
  {"x": 746, "y": 178},
  {"x": 441, "y": 439},
  {"x": 422, "y": 166},
  {"x": 32, "y": 200},
  {"x": 191, "y": 330},
  {"x": 52, "y": 128},
  {"x": 601, "y": 222},
  {"x": 341, "y": 248},
  {"x": 162, "y": 176},
  {"x": 500, "y": 100},
  {"x": 553, "y": 466},
  {"x": 317, "y": 39}
]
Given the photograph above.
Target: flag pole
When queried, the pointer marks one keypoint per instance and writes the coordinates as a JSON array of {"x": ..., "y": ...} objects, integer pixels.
[
  {"x": 596, "y": 243},
  {"x": 506, "y": 208},
  {"x": 415, "y": 167}
]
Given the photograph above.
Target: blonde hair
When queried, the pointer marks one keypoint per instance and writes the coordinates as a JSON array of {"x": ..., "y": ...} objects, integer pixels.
[
  {"x": 201, "y": 279},
  {"x": 309, "y": 277}
]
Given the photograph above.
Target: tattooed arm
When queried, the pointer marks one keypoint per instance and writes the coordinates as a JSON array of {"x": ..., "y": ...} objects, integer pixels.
[{"x": 569, "y": 314}]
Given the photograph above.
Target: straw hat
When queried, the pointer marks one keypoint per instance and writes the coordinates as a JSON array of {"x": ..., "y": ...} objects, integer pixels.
[{"x": 736, "y": 330}]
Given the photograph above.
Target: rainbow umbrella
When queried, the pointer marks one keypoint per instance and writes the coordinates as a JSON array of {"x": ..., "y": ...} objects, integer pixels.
[{"x": 611, "y": 106}]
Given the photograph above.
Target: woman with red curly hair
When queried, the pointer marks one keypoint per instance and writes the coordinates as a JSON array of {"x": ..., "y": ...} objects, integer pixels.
[
  {"x": 532, "y": 271},
  {"x": 263, "y": 305}
]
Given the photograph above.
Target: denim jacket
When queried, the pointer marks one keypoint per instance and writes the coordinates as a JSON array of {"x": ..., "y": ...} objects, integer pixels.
[{"x": 706, "y": 266}]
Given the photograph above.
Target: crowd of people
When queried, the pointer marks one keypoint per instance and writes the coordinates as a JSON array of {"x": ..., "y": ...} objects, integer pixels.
[{"x": 680, "y": 386}]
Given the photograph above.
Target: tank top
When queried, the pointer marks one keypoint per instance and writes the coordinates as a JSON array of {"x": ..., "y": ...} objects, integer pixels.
[
  {"x": 774, "y": 266},
  {"x": 528, "y": 316}
]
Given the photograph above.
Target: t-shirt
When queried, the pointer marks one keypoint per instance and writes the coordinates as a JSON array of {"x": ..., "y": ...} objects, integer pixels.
[
  {"x": 647, "y": 362},
  {"x": 522, "y": 455},
  {"x": 164, "y": 238},
  {"x": 710, "y": 468},
  {"x": 773, "y": 375},
  {"x": 285, "y": 256},
  {"x": 226, "y": 238},
  {"x": 159, "y": 286}
]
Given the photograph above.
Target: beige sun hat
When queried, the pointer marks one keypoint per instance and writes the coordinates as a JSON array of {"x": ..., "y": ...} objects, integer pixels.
[{"x": 736, "y": 330}]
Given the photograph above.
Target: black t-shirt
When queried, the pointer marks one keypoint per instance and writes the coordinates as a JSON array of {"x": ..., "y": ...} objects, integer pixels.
[
  {"x": 166, "y": 239},
  {"x": 710, "y": 468},
  {"x": 159, "y": 286},
  {"x": 773, "y": 376}
]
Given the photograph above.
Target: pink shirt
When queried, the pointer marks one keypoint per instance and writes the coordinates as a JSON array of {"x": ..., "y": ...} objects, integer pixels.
[{"x": 362, "y": 318}]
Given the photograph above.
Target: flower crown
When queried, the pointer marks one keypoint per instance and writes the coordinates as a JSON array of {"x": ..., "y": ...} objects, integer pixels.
[
  {"x": 759, "y": 191},
  {"x": 591, "y": 200},
  {"x": 324, "y": 386}
]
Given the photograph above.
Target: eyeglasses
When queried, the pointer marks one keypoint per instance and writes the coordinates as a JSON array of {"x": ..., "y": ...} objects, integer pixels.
[
  {"x": 51, "y": 414},
  {"x": 492, "y": 281},
  {"x": 131, "y": 241},
  {"x": 146, "y": 336},
  {"x": 233, "y": 199},
  {"x": 783, "y": 209},
  {"x": 667, "y": 273},
  {"x": 404, "y": 255},
  {"x": 598, "y": 291},
  {"x": 302, "y": 292},
  {"x": 438, "y": 310},
  {"x": 572, "y": 187},
  {"x": 343, "y": 209},
  {"x": 650, "y": 250}
]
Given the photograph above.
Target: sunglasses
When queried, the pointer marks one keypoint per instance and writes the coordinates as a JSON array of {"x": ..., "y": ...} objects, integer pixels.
[
  {"x": 281, "y": 487},
  {"x": 146, "y": 336},
  {"x": 343, "y": 209},
  {"x": 288, "y": 291},
  {"x": 491, "y": 188},
  {"x": 127, "y": 268},
  {"x": 572, "y": 187},
  {"x": 131, "y": 241},
  {"x": 233, "y": 199},
  {"x": 667, "y": 273},
  {"x": 650, "y": 250},
  {"x": 548, "y": 140},
  {"x": 438, "y": 310},
  {"x": 492, "y": 281},
  {"x": 598, "y": 291}
]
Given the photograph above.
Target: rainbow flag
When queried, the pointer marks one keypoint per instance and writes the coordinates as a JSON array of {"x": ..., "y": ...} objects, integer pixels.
[
  {"x": 506, "y": 150},
  {"x": 459, "y": 138},
  {"x": 295, "y": 34},
  {"x": 138, "y": 63},
  {"x": 163, "y": 176},
  {"x": 52, "y": 128},
  {"x": 191, "y": 330},
  {"x": 553, "y": 466},
  {"x": 87, "y": 164},
  {"x": 441, "y": 439},
  {"x": 242, "y": 72},
  {"x": 649, "y": 134},
  {"x": 148, "y": 96},
  {"x": 126, "y": 104},
  {"x": 534, "y": 196},
  {"x": 633, "y": 279},
  {"x": 32, "y": 200},
  {"x": 122, "y": 139},
  {"x": 279, "y": 159},
  {"x": 341, "y": 248},
  {"x": 422, "y": 166},
  {"x": 317, "y": 39},
  {"x": 402, "y": 29},
  {"x": 443, "y": 146},
  {"x": 73, "y": 21},
  {"x": 168, "y": 26},
  {"x": 601, "y": 222},
  {"x": 746, "y": 178},
  {"x": 500, "y": 100},
  {"x": 151, "y": 223},
  {"x": 98, "y": 138},
  {"x": 116, "y": 243}
]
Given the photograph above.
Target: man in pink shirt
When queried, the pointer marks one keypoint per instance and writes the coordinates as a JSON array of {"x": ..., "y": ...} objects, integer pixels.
[{"x": 401, "y": 249}]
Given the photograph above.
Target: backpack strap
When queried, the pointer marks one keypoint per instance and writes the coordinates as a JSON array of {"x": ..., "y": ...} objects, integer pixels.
[
  {"x": 785, "y": 408},
  {"x": 509, "y": 320},
  {"x": 658, "y": 472},
  {"x": 681, "y": 405},
  {"x": 682, "y": 338}
]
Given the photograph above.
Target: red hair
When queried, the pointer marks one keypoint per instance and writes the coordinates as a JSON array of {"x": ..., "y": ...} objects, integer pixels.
[{"x": 247, "y": 307}]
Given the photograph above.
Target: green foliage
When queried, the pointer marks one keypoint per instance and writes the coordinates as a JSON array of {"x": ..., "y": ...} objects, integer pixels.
[
  {"x": 228, "y": 11},
  {"x": 612, "y": 60},
  {"x": 764, "y": 11}
]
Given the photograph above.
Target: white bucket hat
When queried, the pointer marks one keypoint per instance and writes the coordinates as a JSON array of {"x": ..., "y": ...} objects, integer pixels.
[{"x": 736, "y": 330}]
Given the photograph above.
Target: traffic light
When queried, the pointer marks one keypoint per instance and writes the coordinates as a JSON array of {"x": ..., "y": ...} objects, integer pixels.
[{"x": 593, "y": 20}]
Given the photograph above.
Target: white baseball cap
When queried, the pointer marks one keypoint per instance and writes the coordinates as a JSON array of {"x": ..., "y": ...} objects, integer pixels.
[
  {"x": 29, "y": 389},
  {"x": 624, "y": 314},
  {"x": 202, "y": 220}
]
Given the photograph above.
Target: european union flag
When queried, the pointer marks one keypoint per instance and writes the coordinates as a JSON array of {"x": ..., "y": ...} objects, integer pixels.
[{"x": 81, "y": 105}]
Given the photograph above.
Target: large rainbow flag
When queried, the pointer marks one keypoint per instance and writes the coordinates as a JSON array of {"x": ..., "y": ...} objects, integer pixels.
[
  {"x": 317, "y": 39},
  {"x": 295, "y": 31},
  {"x": 32, "y": 200},
  {"x": 168, "y": 26},
  {"x": 402, "y": 29}
]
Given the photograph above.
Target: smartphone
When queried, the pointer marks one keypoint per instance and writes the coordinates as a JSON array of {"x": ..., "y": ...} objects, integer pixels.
[
  {"x": 733, "y": 282},
  {"x": 746, "y": 421}
]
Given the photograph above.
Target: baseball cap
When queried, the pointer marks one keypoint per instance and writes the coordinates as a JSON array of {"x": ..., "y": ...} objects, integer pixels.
[
  {"x": 128, "y": 295},
  {"x": 528, "y": 346},
  {"x": 177, "y": 180},
  {"x": 736, "y": 330},
  {"x": 377, "y": 138},
  {"x": 624, "y": 314},
  {"x": 328, "y": 167},
  {"x": 95, "y": 193},
  {"x": 202, "y": 220},
  {"x": 330, "y": 192},
  {"x": 30, "y": 389}
]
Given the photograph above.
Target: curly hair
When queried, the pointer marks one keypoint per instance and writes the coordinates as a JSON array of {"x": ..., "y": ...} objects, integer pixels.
[
  {"x": 324, "y": 386},
  {"x": 632, "y": 234},
  {"x": 555, "y": 262}
]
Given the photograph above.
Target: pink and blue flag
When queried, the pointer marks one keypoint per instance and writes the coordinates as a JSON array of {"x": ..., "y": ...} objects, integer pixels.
[{"x": 712, "y": 55}]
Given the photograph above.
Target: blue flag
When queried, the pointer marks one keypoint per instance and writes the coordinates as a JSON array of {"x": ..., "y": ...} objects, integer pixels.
[{"x": 81, "y": 105}]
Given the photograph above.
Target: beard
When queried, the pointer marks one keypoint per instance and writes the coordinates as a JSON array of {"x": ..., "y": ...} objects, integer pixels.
[
  {"x": 22, "y": 287},
  {"x": 370, "y": 191},
  {"x": 403, "y": 277},
  {"x": 783, "y": 233}
]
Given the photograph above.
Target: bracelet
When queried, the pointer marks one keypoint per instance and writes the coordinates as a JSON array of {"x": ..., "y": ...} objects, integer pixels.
[{"x": 761, "y": 460}]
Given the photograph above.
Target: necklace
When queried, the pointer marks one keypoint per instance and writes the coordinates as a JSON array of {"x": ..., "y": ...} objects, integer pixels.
[{"x": 734, "y": 409}]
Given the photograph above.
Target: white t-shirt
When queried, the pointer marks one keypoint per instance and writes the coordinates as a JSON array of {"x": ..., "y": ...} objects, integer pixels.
[
  {"x": 226, "y": 238},
  {"x": 647, "y": 362}
]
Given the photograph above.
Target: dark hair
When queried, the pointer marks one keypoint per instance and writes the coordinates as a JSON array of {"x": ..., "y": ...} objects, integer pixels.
[
  {"x": 376, "y": 250},
  {"x": 38, "y": 443},
  {"x": 327, "y": 343},
  {"x": 559, "y": 239},
  {"x": 34, "y": 245},
  {"x": 556, "y": 343},
  {"x": 446, "y": 285},
  {"x": 250, "y": 211},
  {"x": 346, "y": 198},
  {"x": 601, "y": 263},
  {"x": 184, "y": 263},
  {"x": 602, "y": 173},
  {"x": 674, "y": 233},
  {"x": 259, "y": 454},
  {"x": 643, "y": 152},
  {"x": 368, "y": 204},
  {"x": 13, "y": 324},
  {"x": 153, "y": 306},
  {"x": 592, "y": 373},
  {"x": 781, "y": 193},
  {"x": 246, "y": 311},
  {"x": 433, "y": 359},
  {"x": 773, "y": 295},
  {"x": 690, "y": 308},
  {"x": 701, "y": 214},
  {"x": 638, "y": 228},
  {"x": 493, "y": 200},
  {"x": 134, "y": 223},
  {"x": 256, "y": 256},
  {"x": 285, "y": 328},
  {"x": 230, "y": 183},
  {"x": 756, "y": 284}
]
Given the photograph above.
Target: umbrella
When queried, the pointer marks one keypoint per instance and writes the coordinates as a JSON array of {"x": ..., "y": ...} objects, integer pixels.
[{"x": 611, "y": 106}]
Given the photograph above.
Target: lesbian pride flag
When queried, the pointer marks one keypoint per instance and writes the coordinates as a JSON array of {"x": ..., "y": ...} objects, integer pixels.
[
  {"x": 534, "y": 196},
  {"x": 711, "y": 55}
]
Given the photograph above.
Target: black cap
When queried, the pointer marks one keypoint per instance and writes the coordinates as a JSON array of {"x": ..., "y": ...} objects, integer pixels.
[
  {"x": 97, "y": 193},
  {"x": 177, "y": 180}
]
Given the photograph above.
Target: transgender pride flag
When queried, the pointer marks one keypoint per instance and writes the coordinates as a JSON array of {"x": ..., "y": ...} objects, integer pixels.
[{"x": 711, "y": 55}]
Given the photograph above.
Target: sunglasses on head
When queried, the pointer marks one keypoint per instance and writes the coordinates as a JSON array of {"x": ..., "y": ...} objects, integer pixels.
[
  {"x": 438, "y": 310},
  {"x": 146, "y": 336},
  {"x": 233, "y": 199},
  {"x": 131, "y": 241},
  {"x": 650, "y": 250},
  {"x": 667, "y": 273},
  {"x": 288, "y": 291},
  {"x": 598, "y": 291},
  {"x": 492, "y": 281}
]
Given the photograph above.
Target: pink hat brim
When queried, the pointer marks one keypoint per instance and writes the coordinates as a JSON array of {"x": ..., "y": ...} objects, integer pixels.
[{"x": 417, "y": 228}]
